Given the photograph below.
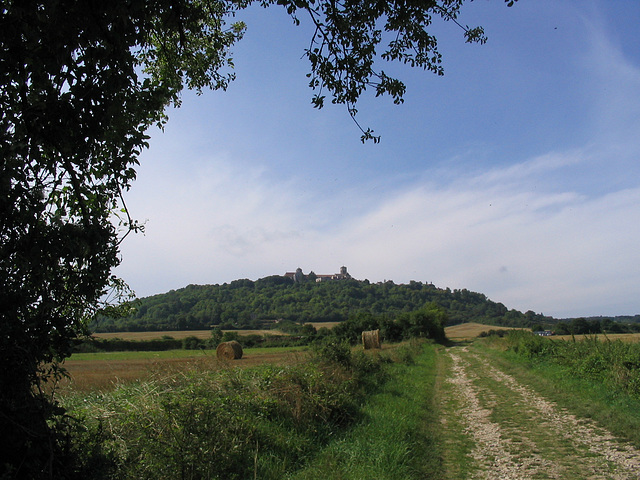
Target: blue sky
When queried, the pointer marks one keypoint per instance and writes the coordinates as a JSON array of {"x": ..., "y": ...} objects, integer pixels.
[{"x": 516, "y": 174}]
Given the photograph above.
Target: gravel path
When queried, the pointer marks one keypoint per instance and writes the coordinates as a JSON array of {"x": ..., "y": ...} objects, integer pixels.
[{"x": 512, "y": 432}]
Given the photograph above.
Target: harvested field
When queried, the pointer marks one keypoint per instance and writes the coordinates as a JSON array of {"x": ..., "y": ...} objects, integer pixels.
[
  {"x": 624, "y": 337},
  {"x": 179, "y": 334},
  {"x": 91, "y": 372},
  {"x": 468, "y": 331},
  {"x": 319, "y": 325}
]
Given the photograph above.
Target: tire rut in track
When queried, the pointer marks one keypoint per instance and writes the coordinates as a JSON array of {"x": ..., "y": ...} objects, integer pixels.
[{"x": 540, "y": 441}]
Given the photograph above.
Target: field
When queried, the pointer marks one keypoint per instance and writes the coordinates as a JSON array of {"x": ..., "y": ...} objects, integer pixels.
[
  {"x": 319, "y": 325},
  {"x": 203, "y": 334},
  {"x": 625, "y": 337},
  {"x": 521, "y": 419},
  {"x": 179, "y": 334},
  {"x": 105, "y": 371},
  {"x": 468, "y": 331}
]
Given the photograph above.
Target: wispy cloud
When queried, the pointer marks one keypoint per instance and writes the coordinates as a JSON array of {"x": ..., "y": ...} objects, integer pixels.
[
  {"x": 558, "y": 252},
  {"x": 555, "y": 233}
]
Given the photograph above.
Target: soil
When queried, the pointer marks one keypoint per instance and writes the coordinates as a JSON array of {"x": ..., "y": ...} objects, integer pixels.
[{"x": 503, "y": 429}]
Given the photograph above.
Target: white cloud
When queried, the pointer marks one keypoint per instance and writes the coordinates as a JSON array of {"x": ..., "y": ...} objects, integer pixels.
[
  {"x": 557, "y": 233},
  {"x": 555, "y": 252}
]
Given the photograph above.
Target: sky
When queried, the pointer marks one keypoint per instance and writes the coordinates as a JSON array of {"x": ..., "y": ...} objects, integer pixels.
[{"x": 516, "y": 174}]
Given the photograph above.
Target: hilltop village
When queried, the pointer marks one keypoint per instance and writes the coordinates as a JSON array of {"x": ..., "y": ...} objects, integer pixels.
[{"x": 299, "y": 277}]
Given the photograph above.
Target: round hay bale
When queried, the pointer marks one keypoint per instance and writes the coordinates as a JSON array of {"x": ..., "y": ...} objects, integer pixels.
[
  {"x": 229, "y": 350},
  {"x": 371, "y": 339}
]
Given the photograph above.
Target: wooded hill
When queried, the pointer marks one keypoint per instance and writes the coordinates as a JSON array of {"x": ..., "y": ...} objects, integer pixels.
[{"x": 255, "y": 304}]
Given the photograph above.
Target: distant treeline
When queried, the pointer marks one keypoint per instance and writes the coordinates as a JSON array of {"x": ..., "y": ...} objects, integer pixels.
[
  {"x": 594, "y": 325},
  {"x": 428, "y": 322},
  {"x": 256, "y": 304}
]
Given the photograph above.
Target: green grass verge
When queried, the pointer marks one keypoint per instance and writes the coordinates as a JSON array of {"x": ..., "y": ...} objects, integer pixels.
[
  {"x": 616, "y": 411},
  {"x": 396, "y": 437},
  {"x": 456, "y": 445}
]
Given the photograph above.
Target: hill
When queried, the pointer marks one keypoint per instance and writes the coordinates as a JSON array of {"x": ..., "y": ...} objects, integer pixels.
[{"x": 255, "y": 304}]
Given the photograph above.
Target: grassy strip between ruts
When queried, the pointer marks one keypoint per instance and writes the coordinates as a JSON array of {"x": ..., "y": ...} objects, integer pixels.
[
  {"x": 397, "y": 435},
  {"x": 617, "y": 412}
]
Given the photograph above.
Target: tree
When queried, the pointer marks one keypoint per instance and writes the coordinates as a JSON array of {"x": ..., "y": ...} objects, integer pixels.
[
  {"x": 81, "y": 81},
  {"x": 579, "y": 326},
  {"x": 216, "y": 337},
  {"x": 428, "y": 322},
  {"x": 75, "y": 106}
]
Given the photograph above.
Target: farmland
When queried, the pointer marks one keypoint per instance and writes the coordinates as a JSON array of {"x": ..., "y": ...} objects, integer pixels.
[
  {"x": 524, "y": 415},
  {"x": 105, "y": 371},
  {"x": 178, "y": 334},
  {"x": 469, "y": 331},
  {"x": 609, "y": 337},
  {"x": 100, "y": 371}
]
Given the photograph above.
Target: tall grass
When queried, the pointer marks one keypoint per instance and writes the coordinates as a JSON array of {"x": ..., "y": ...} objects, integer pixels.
[
  {"x": 613, "y": 363},
  {"x": 263, "y": 422},
  {"x": 396, "y": 436}
]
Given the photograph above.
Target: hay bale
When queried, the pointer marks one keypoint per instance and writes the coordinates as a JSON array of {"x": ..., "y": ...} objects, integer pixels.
[
  {"x": 371, "y": 339},
  {"x": 229, "y": 350}
]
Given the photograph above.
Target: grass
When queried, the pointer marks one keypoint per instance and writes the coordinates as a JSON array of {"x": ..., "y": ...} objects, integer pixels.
[
  {"x": 624, "y": 337},
  {"x": 107, "y": 370},
  {"x": 617, "y": 412},
  {"x": 396, "y": 438},
  {"x": 265, "y": 422}
]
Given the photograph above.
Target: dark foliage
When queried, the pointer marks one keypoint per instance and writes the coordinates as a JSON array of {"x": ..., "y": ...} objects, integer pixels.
[
  {"x": 594, "y": 325},
  {"x": 248, "y": 304},
  {"x": 75, "y": 108}
]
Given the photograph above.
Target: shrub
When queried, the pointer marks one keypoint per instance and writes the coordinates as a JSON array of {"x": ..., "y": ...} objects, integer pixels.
[{"x": 333, "y": 350}]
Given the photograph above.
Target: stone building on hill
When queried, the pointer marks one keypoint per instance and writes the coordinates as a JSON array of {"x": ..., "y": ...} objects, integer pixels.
[{"x": 298, "y": 276}]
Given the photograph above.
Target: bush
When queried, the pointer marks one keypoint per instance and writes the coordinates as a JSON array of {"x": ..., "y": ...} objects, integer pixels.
[
  {"x": 192, "y": 343},
  {"x": 333, "y": 350},
  {"x": 493, "y": 333}
]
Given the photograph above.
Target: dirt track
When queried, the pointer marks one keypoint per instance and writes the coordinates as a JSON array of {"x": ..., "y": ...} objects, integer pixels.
[{"x": 512, "y": 432}]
